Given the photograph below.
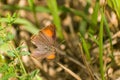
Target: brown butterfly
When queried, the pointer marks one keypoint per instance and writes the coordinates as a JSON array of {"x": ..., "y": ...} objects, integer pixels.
[{"x": 45, "y": 43}]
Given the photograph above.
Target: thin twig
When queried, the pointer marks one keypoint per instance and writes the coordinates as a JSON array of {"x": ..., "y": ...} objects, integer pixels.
[
  {"x": 71, "y": 59},
  {"x": 69, "y": 71}
]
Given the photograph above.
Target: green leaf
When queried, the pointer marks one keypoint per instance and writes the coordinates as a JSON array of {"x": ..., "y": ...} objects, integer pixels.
[
  {"x": 33, "y": 74},
  {"x": 20, "y": 48},
  {"x": 27, "y": 25},
  {"x": 10, "y": 53},
  {"x": 7, "y": 72},
  {"x": 8, "y": 75},
  {"x": 10, "y": 36},
  {"x": 24, "y": 53},
  {"x": 11, "y": 19},
  {"x": 4, "y": 68},
  {"x": 5, "y": 47},
  {"x": 14, "y": 15}
]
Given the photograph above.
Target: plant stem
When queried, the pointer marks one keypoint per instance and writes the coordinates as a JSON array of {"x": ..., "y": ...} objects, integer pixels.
[{"x": 21, "y": 63}]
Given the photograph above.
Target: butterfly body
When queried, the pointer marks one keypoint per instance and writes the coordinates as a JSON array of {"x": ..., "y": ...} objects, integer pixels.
[{"x": 45, "y": 43}]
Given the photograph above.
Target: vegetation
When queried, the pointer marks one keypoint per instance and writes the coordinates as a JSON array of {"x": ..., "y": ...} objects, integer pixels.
[{"x": 87, "y": 39}]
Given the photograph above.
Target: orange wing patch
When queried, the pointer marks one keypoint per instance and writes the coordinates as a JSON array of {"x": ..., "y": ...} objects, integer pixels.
[
  {"x": 49, "y": 30},
  {"x": 50, "y": 57}
]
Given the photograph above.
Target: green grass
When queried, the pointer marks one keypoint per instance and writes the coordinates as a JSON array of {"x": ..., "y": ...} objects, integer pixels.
[
  {"x": 52, "y": 5},
  {"x": 7, "y": 67},
  {"x": 115, "y": 5},
  {"x": 88, "y": 25},
  {"x": 86, "y": 48},
  {"x": 101, "y": 47}
]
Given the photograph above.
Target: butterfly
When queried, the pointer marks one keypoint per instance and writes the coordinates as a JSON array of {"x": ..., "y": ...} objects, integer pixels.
[{"x": 45, "y": 43}]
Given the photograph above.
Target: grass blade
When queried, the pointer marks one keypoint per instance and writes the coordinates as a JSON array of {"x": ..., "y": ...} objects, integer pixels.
[
  {"x": 101, "y": 47},
  {"x": 52, "y": 4}
]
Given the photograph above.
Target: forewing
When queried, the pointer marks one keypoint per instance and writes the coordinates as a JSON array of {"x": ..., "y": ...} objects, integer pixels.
[
  {"x": 49, "y": 34},
  {"x": 43, "y": 41}
]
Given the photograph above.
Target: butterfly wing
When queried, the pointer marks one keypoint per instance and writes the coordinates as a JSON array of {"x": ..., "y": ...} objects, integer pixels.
[
  {"x": 44, "y": 42},
  {"x": 49, "y": 33}
]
